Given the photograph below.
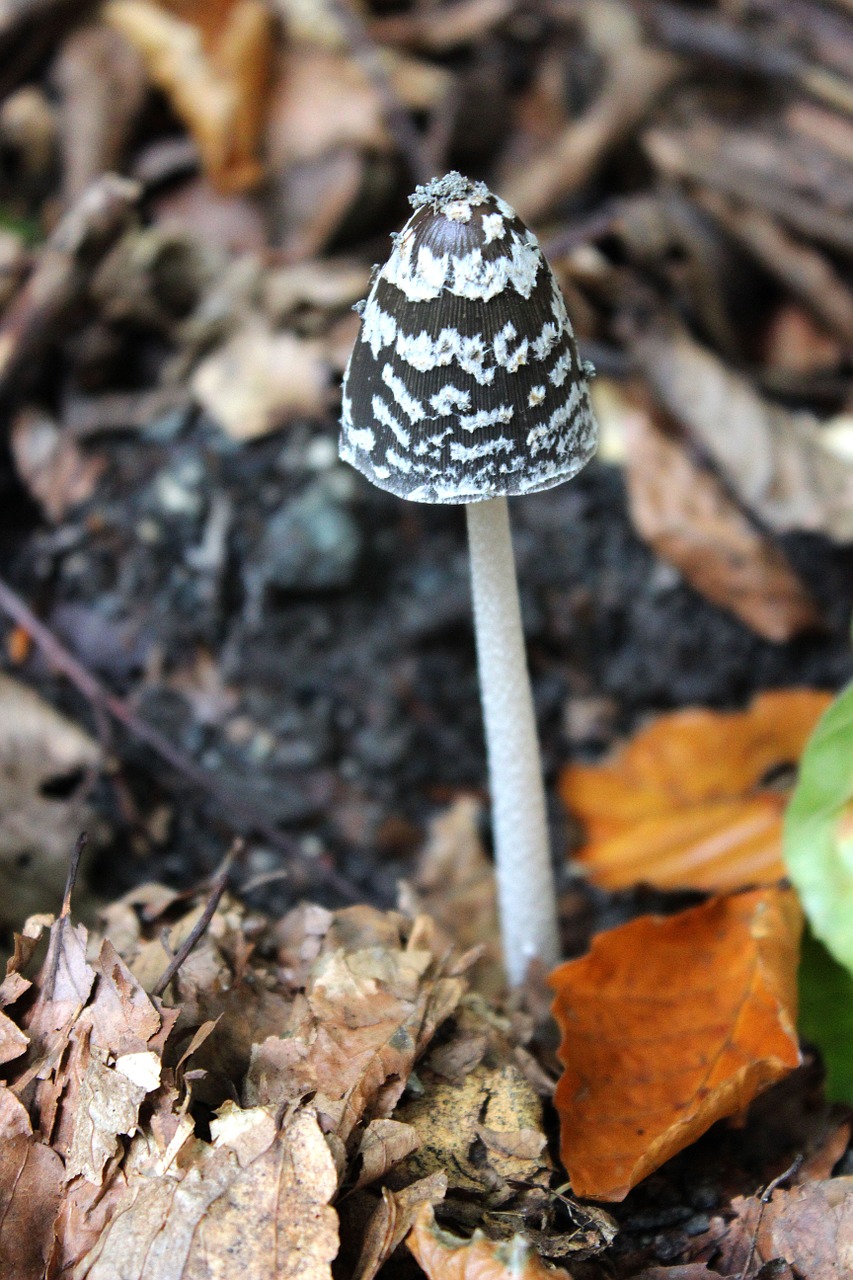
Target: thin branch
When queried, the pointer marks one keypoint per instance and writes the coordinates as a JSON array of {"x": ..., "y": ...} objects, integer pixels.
[
  {"x": 73, "y": 867},
  {"x": 220, "y": 884}
]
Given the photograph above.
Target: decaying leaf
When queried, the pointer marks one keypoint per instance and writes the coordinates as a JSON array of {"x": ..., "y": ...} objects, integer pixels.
[
  {"x": 384, "y": 1144},
  {"x": 818, "y": 829},
  {"x": 37, "y": 830},
  {"x": 484, "y": 1132},
  {"x": 213, "y": 62},
  {"x": 371, "y": 1004},
  {"x": 444, "y": 1256},
  {"x": 392, "y": 1220},
  {"x": 686, "y": 516},
  {"x": 810, "y": 1227},
  {"x": 774, "y": 460},
  {"x": 671, "y": 1024},
  {"x": 683, "y": 806},
  {"x": 30, "y": 1192},
  {"x": 211, "y": 1215},
  {"x": 455, "y": 883},
  {"x": 13, "y": 1042},
  {"x": 259, "y": 379}
]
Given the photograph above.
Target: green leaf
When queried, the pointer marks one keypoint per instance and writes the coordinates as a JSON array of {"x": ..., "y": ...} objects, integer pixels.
[
  {"x": 818, "y": 837},
  {"x": 826, "y": 1015}
]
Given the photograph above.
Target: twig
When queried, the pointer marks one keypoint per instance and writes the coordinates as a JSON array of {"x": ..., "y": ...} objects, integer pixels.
[
  {"x": 232, "y": 807},
  {"x": 220, "y": 884},
  {"x": 764, "y": 1200},
  {"x": 73, "y": 867}
]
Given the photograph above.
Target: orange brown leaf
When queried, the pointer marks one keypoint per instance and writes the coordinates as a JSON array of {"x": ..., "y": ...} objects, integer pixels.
[
  {"x": 213, "y": 62},
  {"x": 683, "y": 805},
  {"x": 447, "y": 1257},
  {"x": 669, "y": 1025}
]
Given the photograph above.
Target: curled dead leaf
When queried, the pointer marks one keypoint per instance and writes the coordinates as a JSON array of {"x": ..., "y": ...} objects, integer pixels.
[
  {"x": 669, "y": 1025},
  {"x": 776, "y": 461},
  {"x": 444, "y": 1256}
]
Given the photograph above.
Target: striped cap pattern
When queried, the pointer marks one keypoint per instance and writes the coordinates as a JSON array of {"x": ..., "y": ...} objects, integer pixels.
[{"x": 464, "y": 382}]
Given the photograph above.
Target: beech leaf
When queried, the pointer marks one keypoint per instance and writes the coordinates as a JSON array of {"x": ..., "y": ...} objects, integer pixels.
[
  {"x": 682, "y": 806},
  {"x": 684, "y": 513},
  {"x": 210, "y": 1217},
  {"x": 30, "y": 1190},
  {"x": 819, "y": 830},
  {"x": 669, "y": 1025}
]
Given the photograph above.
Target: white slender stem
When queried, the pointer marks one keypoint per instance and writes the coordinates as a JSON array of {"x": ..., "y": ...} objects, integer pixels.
[{"x": 526, "y": 897}]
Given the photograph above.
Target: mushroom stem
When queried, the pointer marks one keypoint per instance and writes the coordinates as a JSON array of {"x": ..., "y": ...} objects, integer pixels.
[{"x": 526, "y": 897}]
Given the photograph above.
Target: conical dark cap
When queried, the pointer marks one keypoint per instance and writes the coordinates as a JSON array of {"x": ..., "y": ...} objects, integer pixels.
[{"x": 464, "y": 382}]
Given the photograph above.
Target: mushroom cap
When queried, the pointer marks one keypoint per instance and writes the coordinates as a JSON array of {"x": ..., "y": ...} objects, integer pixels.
[{"x": 464, "y": 382}]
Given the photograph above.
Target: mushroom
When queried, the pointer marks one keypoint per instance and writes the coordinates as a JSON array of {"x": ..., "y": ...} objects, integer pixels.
[{"x": 464, "y": 386}]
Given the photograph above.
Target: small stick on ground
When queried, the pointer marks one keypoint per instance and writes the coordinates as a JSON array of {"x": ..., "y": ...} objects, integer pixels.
[
  {"x": 231, "y": 807},
  {"x": 764, "y": 1200},
  {"x": 220, "y": 884},
  {"x": 73, "y": 867}
]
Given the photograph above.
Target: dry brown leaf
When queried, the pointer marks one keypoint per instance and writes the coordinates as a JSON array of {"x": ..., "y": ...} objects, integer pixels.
[
  {"x": 775, "y": 460},
  {"x": 446, "y": 1257},
  {"x": 64, "y": 985},
  {"x": 208, "y": 1216},
  {"x": 112, "y": 1063},
  {"x": 57, "y": 473},
  {"x": 13, "y": 1042},
  {"x": 682, "y": 806},
  {"x": 30, "y": 1191},
  {"x": 686, "y": 516},
  {"x": 811, "y": 1227},
  {"x": 259, "y": 379},
  {"x": 326, "y": 119},
  {"x": 384, "y": 1144},
  {"x": 323, "y": 101},
  {"x": 392, "y": 1219},
  {"x": 103, "y": 83},
  {"x": 37, "y": 830},
  {"x": 371, "y": 1004},
  {"x": 669, "y": 1025},
  {"x": 213, "y": 63},
  {"x": 455, "y": 884}
]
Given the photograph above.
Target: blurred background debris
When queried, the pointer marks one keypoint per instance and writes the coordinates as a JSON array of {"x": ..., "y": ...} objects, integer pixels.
[{"x": 191, "y": 199}]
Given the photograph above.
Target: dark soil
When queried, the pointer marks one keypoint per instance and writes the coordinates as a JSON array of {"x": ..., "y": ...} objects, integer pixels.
[{"x": 346, "y": 711}]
